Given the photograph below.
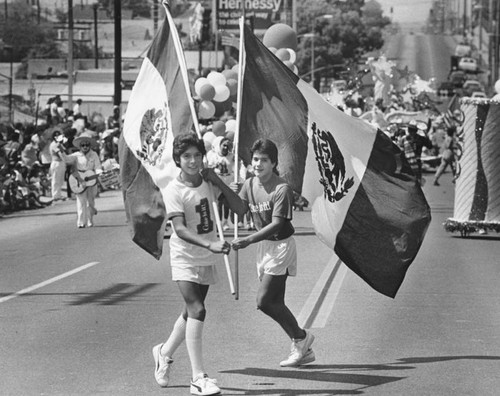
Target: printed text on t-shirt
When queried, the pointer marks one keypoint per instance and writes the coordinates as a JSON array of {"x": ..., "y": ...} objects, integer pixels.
[
  {"x": 260, "y": 207},
  {"x": 206, "y": 224}
]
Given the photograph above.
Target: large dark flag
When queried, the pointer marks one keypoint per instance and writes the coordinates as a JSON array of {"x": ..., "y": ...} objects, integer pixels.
[
  {"x": 158, "y": 109},
  {"x": 367, "y": 204}
]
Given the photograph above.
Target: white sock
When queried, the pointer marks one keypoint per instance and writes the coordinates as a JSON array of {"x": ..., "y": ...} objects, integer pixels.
[
  {"x": 194, "y": 331},
  {"x": 175, "y": 339}
]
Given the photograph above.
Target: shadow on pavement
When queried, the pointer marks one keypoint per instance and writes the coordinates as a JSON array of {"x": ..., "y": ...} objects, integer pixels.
[
  {"x": 329, "y": 373},
  {"x": 308, "y": 375},
  {"x": 290, "y": 392},
  {"x": 434, "y": 359},
  {"x": 114, "y": 294}
]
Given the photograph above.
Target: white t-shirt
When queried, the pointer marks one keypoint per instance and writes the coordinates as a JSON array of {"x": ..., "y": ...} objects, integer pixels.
[
  {"x": 195, "y": 203},
  {"x": 85, "y": 162}
]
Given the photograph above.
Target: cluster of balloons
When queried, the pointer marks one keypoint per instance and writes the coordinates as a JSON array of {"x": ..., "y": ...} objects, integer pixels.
[
  {"x": 217, "y": 92},
  {"x": 220, "y": 128},
  {"x": 281, "y": 40}
]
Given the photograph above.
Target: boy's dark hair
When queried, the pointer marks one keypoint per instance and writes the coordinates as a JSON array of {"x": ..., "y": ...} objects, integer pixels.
[
  {"x": 182, "y": 142},
  {"x": 266, "y": 146}
]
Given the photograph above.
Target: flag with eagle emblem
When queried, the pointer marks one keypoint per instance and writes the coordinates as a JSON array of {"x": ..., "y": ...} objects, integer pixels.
[
  {"x": 368, "y": 206},
  {"x": 158, "y": 109}
]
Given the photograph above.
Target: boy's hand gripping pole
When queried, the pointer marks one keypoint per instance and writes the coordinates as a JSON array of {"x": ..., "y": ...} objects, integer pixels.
[{"x": 221, "y": 236}]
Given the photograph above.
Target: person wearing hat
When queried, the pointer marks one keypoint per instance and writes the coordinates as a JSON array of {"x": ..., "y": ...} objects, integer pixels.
[
  {"x": 85, "y": 161},
  {"x": 57, "y": 165},
  {"x": 412, "y": 143}
]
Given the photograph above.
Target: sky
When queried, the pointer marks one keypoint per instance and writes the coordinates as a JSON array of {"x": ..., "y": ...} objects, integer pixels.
[{"x": 406, "y": 11}]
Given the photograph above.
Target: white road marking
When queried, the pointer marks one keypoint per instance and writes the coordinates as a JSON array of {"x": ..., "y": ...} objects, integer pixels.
[
  {"x": 319, "y": 304},
  {"x": 327, "y": 307},
  {"x": 47, "y": 282}
]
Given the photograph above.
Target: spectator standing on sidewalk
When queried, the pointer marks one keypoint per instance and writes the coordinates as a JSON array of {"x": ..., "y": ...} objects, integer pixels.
[
  {"x": 77, "y": 110},
  {"x": 221, "y": 159},
  {"x": 57, "y": 166}
]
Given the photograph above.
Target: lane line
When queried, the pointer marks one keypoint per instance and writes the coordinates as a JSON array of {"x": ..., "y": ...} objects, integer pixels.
[
  {"x": 320, "y": 295},
  {"x": 326, "y": 308},
  {"x": 47, "y": 282}
]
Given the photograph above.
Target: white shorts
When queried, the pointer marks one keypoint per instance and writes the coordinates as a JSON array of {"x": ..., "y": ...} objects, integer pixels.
[
  {"x": 277, "y": 257},
  {"x": 201, "y": 274}
]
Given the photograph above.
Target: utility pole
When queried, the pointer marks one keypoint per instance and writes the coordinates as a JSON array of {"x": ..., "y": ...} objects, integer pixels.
[
  {"x": 155, "y": 16},
  {"x": 5, "y": 47},
  {"x": 117, "y": 97},
  {"x": 496, "y": 43},
  {"x": 70, "y": 54},
  {"x": 465, "y": 19},
  {"x": 96, "y": 37}
]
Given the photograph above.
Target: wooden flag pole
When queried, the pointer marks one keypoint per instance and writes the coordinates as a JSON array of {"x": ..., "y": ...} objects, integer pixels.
[
  {"x": 221, "y": 236},
  {"x": 239, "y": 95}
]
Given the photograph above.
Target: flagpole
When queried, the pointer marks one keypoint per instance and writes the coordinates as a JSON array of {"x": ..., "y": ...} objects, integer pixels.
[
  {"x": 183, "y": 69},
  {"x": 239, "y": 94}
]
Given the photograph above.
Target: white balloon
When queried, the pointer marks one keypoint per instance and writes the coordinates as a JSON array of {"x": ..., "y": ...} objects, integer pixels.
[
  {"x": 497, "y": 86},
  {"x": 221, "y": 93},
  {"x": 216, "y": 78},
  {"x": 293, "y": 55},
  {"x": 231, "y": 126},
  {"x": 199, "y": 83},
  {"x": 209, "y": 137}
]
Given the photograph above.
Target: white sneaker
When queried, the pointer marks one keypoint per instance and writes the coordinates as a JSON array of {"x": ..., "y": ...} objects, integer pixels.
[
  {"x": 300, "y": 352},
  {"x": 204, "y": 386},
  {"x": 162, "y": 366}
]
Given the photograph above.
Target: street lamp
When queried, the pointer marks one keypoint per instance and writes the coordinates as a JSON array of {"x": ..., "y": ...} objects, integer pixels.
[{"x": 312, "y": 35}]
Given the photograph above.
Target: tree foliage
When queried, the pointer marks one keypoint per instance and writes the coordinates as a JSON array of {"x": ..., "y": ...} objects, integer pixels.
[
  {"x": 341, "y": 35},
  {"x": 26, "y": 36}
]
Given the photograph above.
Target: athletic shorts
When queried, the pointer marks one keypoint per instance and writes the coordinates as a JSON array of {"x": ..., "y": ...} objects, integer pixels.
[
  {"x": 203, "y": 275},
  {"x": 277, "y": 257}
]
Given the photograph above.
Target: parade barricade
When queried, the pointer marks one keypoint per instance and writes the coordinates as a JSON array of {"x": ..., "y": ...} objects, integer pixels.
[{"x": 477, "y": 188}]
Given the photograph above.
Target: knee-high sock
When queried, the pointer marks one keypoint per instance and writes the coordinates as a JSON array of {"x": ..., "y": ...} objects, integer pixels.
[
  {"x": 194, "y": 331},
  {"x": 176, "y": 337}
]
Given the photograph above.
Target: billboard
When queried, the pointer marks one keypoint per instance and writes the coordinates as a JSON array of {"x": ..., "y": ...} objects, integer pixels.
[{"x": 264, "y": 13}]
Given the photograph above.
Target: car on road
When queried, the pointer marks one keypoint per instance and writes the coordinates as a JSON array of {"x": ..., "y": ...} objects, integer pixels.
[
  {"x": 471, "y": 86},
  {"x": 457, "y": 77},
  {"x": 463, "y": 50},
  {"x": 468, "y": 64},
  {"x": 446, "y": 88},
  {"x": 478, "y": 94}
]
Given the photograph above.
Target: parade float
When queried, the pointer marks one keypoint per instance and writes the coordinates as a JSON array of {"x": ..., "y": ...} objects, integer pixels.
[{"x": 477, "y": 187}]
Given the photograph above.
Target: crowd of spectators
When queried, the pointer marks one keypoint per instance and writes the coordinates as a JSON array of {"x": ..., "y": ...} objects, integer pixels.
[{"x": 25, "y": 157}]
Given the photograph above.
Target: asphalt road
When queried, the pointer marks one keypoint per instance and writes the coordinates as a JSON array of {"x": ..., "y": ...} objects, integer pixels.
[{"x": 80, "y": 310}]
